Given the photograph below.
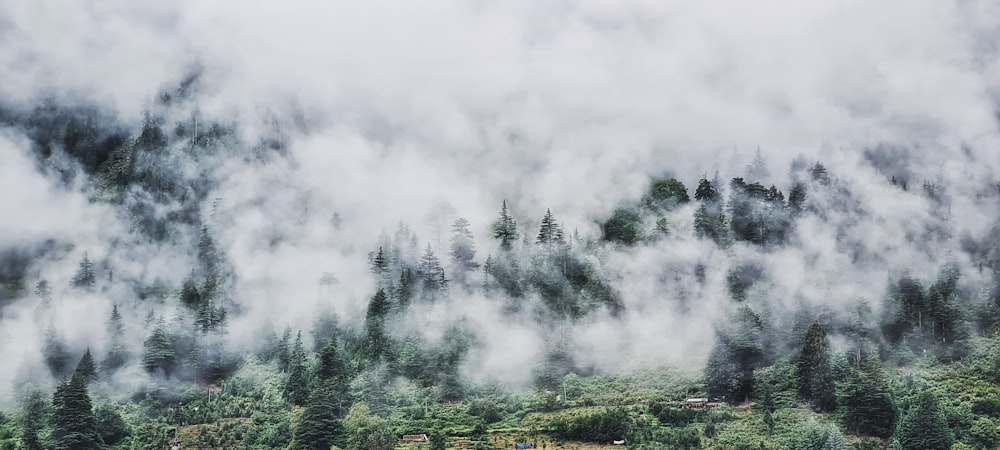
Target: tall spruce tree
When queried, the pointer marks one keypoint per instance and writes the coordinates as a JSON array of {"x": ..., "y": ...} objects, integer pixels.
[
  {"x": 505, "y": 228},
  {"x": 73, "y": 423},
  {"x": 550, "y": 232},
  {"x": 297, "y": 385},
  {"x": 117, "y": 350},
  {"x": 159, "y": 355},
  {"x": 378, "y": 340},
  {"x": 85, "y": 277},
  {"x": 924, "y": 426},
  {"x": 816, "y": 382},
  {"x": 319, "y": 429},
  {"x": 865, "y": 402},
  {"x": 34, "y": 416},
  {"x": 86, "y": 369}
]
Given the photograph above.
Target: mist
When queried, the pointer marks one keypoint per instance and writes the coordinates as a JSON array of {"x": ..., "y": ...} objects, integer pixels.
[{"x": 340, "y": 121}]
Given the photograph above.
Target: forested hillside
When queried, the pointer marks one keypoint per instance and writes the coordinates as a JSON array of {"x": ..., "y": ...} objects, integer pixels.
[{"x": 220, "y": 234}]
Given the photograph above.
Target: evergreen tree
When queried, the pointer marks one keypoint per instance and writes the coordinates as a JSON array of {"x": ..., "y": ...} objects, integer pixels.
[
  {"x": 34, "y": 411},
  {"x": 430, "y": 271},
  {"x": 624, "y": 227},
  {"x": 550, "y": 232},
  {"x": 378, "y": 340},
  {"x": 85, "y": 277},
  {"x": 207, "y": 254},
  {"x": 318, "y": 428},
  {"x": 816, "y": 382},
  {"x": 56, "y": 353},
  {"x": 159, "y": 355},
  {"x": 117, "y": 350},
  {"x": 329, "y": 366},
  {"x": 190, "y": 296},
  {"x": 706, "y": 191},
  {"x": 379, "y": 263},
  {"x": 463, "y": 249},
  {"x": 505, "y": 228},
  {"x": 924, "y": 426},
  {"x": 296, "y": 387},
  {"x": 865, "y": 402},
  {"x": 86, "y": 369},
  {"x": 797, "y": 198},
  {"x": 757, "y": 169},
  {"x": 73, "y": 423},
  {"x": 666, "y": 193}
]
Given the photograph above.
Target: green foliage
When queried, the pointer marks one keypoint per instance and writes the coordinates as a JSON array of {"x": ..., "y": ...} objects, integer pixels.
[
  {"x": 866, "y": 404},
  {"x": 318, "y": 428},
  {"x": 923, "y": 426},
  {"x": 602, "y": 426},
  {"x": 297, "y": 385},
  {"x": 815, "y": 376},
  {"x": 34, "y": 412},
  {"x": 666, "y": 193},
  {"x": 505, "y": 228},
  {"x": 110, "y": 425},
  {"x": 623, "y": 227},
  {"x": 74, "y": 426},
  {"x": 86, "y": 369},
  {"x": 159, "y": 355},
  {"x": 366, "y": 431}
]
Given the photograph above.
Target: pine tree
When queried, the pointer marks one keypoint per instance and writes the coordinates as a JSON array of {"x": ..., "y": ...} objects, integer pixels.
[
  {"x": 505, "y": 228},
  {"x": 159, "y": 353},
  {"x": 73, "y": 423},
  {"x": 85, "y": 277},
  {"x": 85, "y": 369},
  {"x": 34, "y": 411},
  {"x": 117, "y": 351},
  {"x": 318, "y": 428},
  {"x": 797, "y": 198},
  {"x": 430, "y": 270},
  {"x": 463, "y": 249},
  {"x": 379, "y": 263},
  {"x": 757, "y": 170},
  {"x": 815, "y": 376},
  {"x": 865, "y": 402},
  {"x": 550, "y": 232},
  {"x": 56, "y": 354},
  {"x": 296, "y": 387},
  {"x": 328, "y": 363},
  {"x": 190, "y": 296},
  {"x": 378, "y": 341},
  {"x": 924, "y": 426},
  {"x": 706, "y": 191},
  {"x": 207, "y": 254}
]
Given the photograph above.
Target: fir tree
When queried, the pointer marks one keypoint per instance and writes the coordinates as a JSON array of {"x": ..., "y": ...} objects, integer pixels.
[
  {"x": 56, "y": 354},
  {"x": 430, "y": 270},
  {"x": 73, "y": 424},
  {"x": 117, "y": 351},
  {"x": 865, "y": 403},
  {"x": 463, "y": 249},
  {"x": 550, "y": 232},
  {"x": 505, "y": 228},
  {"x": 706, "y": 191},
  {"x": 86, "y": 369},
  {"x": 85, "y": 277},
  {"x": 318, "y": 428},
  {"x": 159, "y": 355},
  {"x": 815, "y": 376},
  {"x": 378, "y": 340},
  {"x": 44, "y": 291},
  {"x": 924, "y": 426},
  {"x": 34, "y": 412},
  {"x": 296, "y": 387}
]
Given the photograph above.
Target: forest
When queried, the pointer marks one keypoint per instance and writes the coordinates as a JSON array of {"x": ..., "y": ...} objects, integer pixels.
[
  {"x": 472, "y": 225},
  {"x": 914, "y": 365}
]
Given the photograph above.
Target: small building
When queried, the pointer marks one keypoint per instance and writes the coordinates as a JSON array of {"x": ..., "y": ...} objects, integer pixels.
[
  {"x": 695, "y": 403},
  {"x": 619, "y": 442},
  {"x": 415, "y": 439}
]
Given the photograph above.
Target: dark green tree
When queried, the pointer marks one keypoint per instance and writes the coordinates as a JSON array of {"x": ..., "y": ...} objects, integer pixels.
[
  {"x": 190, "y": 296},
  {"x": 319, "y": 428},
  {"x": 34, "y": 413},
  {"x": 666, "y": 193},
  {"x": 366, "y": 431},
  {"x": 623, "y": 227},
  {"x": 378, "y": 340},
  {"x": 706, "y": 192},
  {"x": 431, "y": 272},
  {"x": 85, "y": 277},
  {"x": 86, "y": 369},
  {"x": 74, "y": 426},
  {"x": 505, "y": 228},
  {"x": 550, "y": 232},
  {"x": 797, "y": 198},
  {"x": 816, "y": 382},
  {"x": 56, "y": 354},
  {"x": 159, "y": 354},
  {"x": 297, "y": 384},
  {"x": 110, "y": 425},
  {"x": 865, "y": 402},
  {"x": 924, "y": 426}
]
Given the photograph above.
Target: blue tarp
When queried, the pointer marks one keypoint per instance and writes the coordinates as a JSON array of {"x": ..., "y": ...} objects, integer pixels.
[{"x": 520, "y": 446}]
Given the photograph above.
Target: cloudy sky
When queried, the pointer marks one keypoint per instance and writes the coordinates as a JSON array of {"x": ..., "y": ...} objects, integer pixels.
[{"x": 393, "y": 107}]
